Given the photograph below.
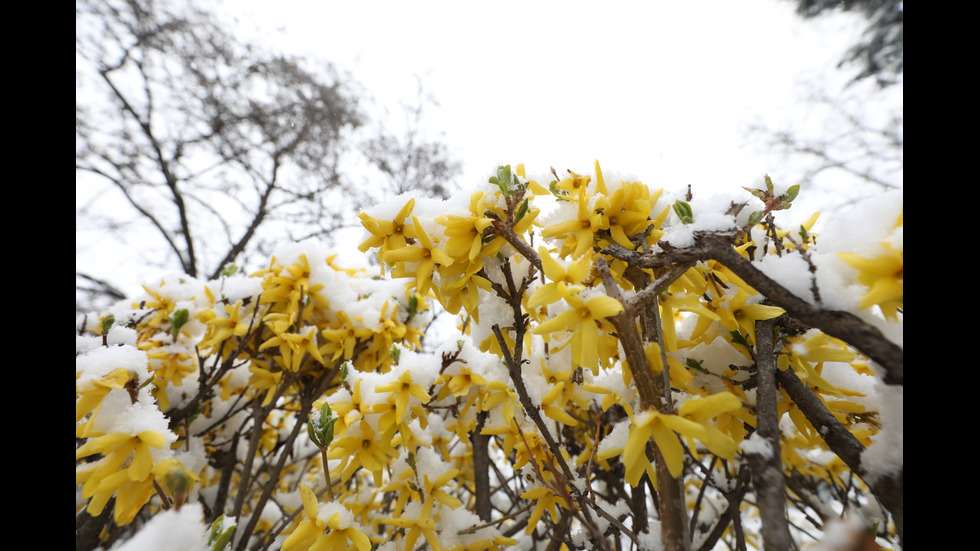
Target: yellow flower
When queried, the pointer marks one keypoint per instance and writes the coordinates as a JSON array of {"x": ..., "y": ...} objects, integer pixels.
[
  {"x": 702, "y": 411},
  {"x": 221, "y": 328},
  {"x": 315, "y": 534},
  {"x": 744, "y": 315},
  {"x": 626, "y": 213},
  {"x": 93, "y": 394},
  {"x": 401, "y": 391},
  {"x": 366, "y": 449},
  {"x": 285, "y": 286},
  {"x": 434, "y": 490},
  {"x": 670, "y": 304},
  {"x": 125, "y": 470},
  {"x": 562, "y": 390},
  {"x": 584, "y": 320},
  {"x": 574, "y": 184},
  {"x": 406, "y": 488},
  {"x": 425, "y": 258},
  {"x": 459, "y": 384},
  {"x": 663, "y": 428},
  {"x": 387, "y": 235},
  {"x": 579, "y": 233},
  {"x": 811, "y": 238},
  {"x": 170, "y": 365},
  {"x": 464, "y": 234},
  {"x": 884, "y": 277},
  {"x": 461, "y": 288},
  {"x": 293, "y": 345},
  {"x": 343, "y": 339},
  {"x": 563, "y": 281},
  {"x": 545, "y": 500},
  {"x": 161, "y": 305},
  {"x": 515, "y": 439},
  {"x": 263, "y": 379},
  {"x": 350, "y": 411},
  {"x": 496, "y": 393},
  {"x": 423, "y": 525}
]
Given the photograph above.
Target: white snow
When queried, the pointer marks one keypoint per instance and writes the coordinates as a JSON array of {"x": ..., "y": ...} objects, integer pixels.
[{"x": 182, "y": 530}]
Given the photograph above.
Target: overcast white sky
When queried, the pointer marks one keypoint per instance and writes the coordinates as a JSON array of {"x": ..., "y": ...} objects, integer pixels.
[{"x": 658, "y": 89}]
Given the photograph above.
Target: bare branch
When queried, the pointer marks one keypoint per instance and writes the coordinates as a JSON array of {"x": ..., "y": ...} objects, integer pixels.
[{"x": 767, "y": 466}]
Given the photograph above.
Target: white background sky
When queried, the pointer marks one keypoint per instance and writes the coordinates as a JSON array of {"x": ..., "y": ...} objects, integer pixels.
[{"x": 658, "y": 89}]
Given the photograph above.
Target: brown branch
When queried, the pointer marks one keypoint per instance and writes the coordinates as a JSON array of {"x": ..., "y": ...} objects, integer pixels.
[
  {"x": 767, "y": 467},
  {"x": 190, "y": 263},
  {"x": 648, "y": 386},
  {"x": 475, "y": 529},
  {"x": 889, "y": 490},
  {"x": 534, "y": 413},
  {"x": 507, "y": 232},
  {"x": 843, "y": 325},
  {"x": 654, "y": 394},
  {"x": 481, "y": 468},
  {"x": 260, "y": 214}
]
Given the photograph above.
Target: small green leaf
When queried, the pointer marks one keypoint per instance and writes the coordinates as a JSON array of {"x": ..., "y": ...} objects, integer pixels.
[
  {"x": 229, "y": 270},
  {"x": 344, "y": 371},
  {"x": 559, "y": 194},
  {"x": 737, "y": 338},
  {"x": 504, "y": 179},
  {"x": 769, "y": 185},
  {"x": 177, "y": 481},
  {"x": 696, "y": 365},
  {"x": 503, "y": 172},
  {"x": 396, "y": 354},
  {"x": 684, "y": 212},
  {"x": 107, "y": 323},
  {"x": 755, "y": 217},
  {"x": 198, "y": 409},
  {"x": 791, "y": 194},
  {"x": 320, "y": 426},
  {"x": 805, "y": 235},
  {"x": 413, "y": 306},
  {"x": 220, "y": 535},
  {"x": 487, "y": 236},
  {"x": 521, "y": 211},
  {"x": 178, "y": 320}
]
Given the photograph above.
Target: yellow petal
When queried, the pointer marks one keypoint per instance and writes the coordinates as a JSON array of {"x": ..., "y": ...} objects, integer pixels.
[
  {"x": 762, "y": 312},
  {"x": 141, "y": 465},
  {"x": 310, "y": 504},
  {"x": 604, "y": 307},
  {"x": 565, "y": 321},
  {"x": 670, "y": 449},
  {"x": 711, "y": 406}
]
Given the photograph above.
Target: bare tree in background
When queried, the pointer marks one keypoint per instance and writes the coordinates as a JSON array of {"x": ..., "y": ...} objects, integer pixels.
[
  {"x": 853, "y": 136},
  {"x": 851, "y": 146},
  {"x": 880, "y": 53},
  {"x": 410, "y": 162},
  {"x": 195, "y": 151}
]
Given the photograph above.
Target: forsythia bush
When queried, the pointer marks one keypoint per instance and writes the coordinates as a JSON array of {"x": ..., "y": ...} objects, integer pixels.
[{"x": 623, "y": 369}]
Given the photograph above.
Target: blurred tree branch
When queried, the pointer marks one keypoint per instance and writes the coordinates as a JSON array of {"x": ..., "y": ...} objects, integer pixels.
[
  {"x": 864, "y": 151},
  {"x": 880, "y": 52},
  {"x": 208, "y": 150}
]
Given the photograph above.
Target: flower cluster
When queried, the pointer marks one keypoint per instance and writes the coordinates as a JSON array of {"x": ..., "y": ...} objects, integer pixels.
[{"x": 601, "y": 347}]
